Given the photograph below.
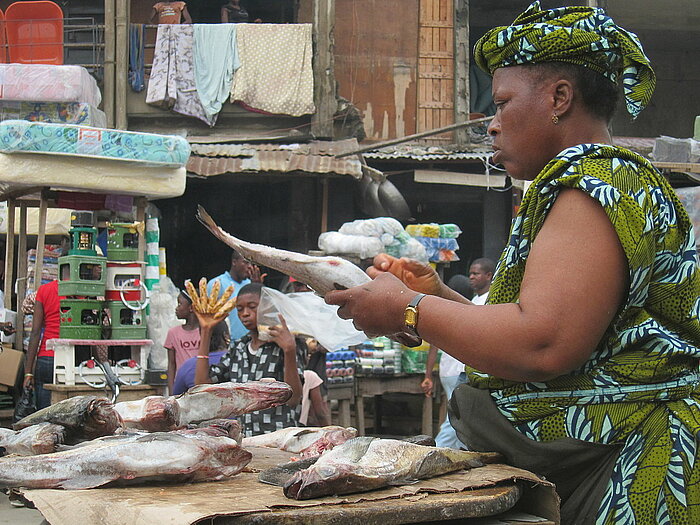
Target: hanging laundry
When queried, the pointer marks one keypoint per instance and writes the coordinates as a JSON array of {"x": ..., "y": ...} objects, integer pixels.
[
  {"x": 215, "y": 61},
  {"x": 136, "y": 58},
  {"x": 172, "y": 84},
  {"x": 276, "y": 74}
]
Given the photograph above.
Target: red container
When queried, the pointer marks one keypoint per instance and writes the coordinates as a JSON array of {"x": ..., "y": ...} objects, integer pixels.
[{"x": 35, "y": 32}]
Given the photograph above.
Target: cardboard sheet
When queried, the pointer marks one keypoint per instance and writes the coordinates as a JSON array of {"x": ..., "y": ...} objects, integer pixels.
[{"x": 243, "y": 494}]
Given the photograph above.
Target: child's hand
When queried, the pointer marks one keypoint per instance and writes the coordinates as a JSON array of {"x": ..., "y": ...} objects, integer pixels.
[
  {"x": 281, "y": 335},
  {"x": 209, "y": 308}
]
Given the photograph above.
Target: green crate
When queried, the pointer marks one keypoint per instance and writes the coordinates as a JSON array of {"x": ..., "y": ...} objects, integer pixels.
[
  {"x": 126, "y": 323},
  {"x": 122, "y": 242},
  {"x": 81, "y": 275},
  {"x": 80, "y": 319}
]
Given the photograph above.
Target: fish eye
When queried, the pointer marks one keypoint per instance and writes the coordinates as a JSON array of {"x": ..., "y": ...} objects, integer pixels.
[{"x": 327, "y": 471}]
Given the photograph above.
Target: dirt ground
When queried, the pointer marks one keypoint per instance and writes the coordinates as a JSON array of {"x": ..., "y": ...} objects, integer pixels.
[{"x": 10, "y": 515}]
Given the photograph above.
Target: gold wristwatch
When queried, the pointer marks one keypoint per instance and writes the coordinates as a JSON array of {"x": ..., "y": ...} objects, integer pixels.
[{"x": 410, "y": 315}]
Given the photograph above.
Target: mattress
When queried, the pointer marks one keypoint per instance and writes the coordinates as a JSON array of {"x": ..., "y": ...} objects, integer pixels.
[
  {"x": 48, "y": 83},
  {"x": 20, "y": 171},
  {"x": 54, "y": 112},
  {"x": 145, "y": 149}
]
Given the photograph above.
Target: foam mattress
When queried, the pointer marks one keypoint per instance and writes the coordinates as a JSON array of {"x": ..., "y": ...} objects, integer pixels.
[
  {"x": 48, "y": 83},
  {"x": 145, "y": 149},
  {"x": 53, "y": 112},
  {"x": 62, "y": 172}
]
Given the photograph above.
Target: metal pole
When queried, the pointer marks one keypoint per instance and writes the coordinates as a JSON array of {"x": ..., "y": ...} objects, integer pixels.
[
  {"x": 9, "y": 253},
  {"x": 408, "y": 138}
]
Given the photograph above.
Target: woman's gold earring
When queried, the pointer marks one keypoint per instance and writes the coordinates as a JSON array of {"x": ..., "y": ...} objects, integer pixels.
[{"x": 555, "y": 119}]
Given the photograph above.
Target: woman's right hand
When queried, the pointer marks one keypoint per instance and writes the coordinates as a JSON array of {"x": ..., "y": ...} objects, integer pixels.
[
  {"x": 28, "y": 381},
  {"x": 427, "y": 386},
  {"x": 418, "y": 276}
]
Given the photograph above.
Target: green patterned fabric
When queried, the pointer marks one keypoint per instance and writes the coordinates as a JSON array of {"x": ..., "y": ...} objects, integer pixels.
[
  {"x": 585, "y": 36},
  {"x": 640, "y": 386}
]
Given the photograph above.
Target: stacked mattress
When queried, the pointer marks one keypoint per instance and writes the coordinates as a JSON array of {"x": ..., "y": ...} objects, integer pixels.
[
  {"x": 66, "y": 156},
  {"x": 50, "y": 93}
]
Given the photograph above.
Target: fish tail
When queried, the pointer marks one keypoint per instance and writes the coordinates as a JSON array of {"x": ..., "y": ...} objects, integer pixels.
[{"x": 208, "y": 222}]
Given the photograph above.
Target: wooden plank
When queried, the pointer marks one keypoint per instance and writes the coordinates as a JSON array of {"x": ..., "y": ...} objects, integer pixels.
[
  {"x": 461, "y": 179},
  {"x": 324, "y": 79},
  {"x": 21, "y": 273},
  {"x": 109, "y": 62},
  {"x": 122, "y": 63},
  {"x": 692, "y": 167},
  {"x": 437, "y": 74},
  {"x": 436, "y": 105},
  {"x": 461, "y": 68},
  {"x": 40, "y": 241},
  {"x": 9, "y": 254}
]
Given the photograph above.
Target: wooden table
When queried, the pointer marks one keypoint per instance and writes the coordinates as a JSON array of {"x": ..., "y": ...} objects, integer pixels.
[
  {"x": 126, "y": 392},
  {"x": 370, "y": 385},
  {"x": 344, "y": 393}
]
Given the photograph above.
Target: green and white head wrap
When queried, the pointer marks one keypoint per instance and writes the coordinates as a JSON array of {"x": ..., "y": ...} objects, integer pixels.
[{"x": 585, "y": 36}]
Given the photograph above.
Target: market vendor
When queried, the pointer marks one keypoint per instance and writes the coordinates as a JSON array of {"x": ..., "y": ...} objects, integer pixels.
[
  {"x": 251, "y": 359},
  {"x": 583, "y": 365}
]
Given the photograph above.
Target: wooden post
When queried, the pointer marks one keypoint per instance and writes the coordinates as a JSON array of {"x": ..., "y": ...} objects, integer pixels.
[
  {"x": 323, "y": 64},
  {"x": 9, "y": 253},
  {"x": 461, "y": 90},
  {"x": 109, "y": 62},
  {"x": 324, "y": 204},
  {"x": 40, "y": 240},
  {"x": 141, "y": 203},
  {"x": 122, "y": 63},
  {"x": 21, "y": 274}
]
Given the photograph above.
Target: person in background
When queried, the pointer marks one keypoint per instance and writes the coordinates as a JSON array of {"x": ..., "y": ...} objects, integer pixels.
[
  {"x": 45, "y": 325},
  {"x": 182, "y": 341},
  {"x": 315, "y": 411},
  {"x": 238, "y": 275},
  {"x": 480, "y": 276},
  {"x": 170, "y": 13},
  {"x": 252, "y": 359},
  {"x": 452, "y": 370},
  {"x": 218, "y": 346},
  {"x": 583, "y": 366},
  {"x": 233, "y": 13},
  {"x": 298, "y": 286}
]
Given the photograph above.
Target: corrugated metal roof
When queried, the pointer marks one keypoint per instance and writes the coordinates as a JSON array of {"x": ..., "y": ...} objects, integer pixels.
[
  {"x": 315, "y": 158},
  {"x": 429, "y": 153}
]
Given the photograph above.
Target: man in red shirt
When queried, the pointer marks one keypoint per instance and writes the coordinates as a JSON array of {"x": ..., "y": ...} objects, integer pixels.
[{"x": 47, "y": 318}]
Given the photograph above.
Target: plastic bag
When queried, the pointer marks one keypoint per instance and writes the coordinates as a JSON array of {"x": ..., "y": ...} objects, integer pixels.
[
  {"x": 25, "y": 405},
  {"x": 306, "y": 313},
  {"x": 161, "y": 318}
]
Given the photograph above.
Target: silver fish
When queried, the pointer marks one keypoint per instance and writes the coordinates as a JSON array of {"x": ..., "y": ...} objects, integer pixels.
[
  {"x": 43, "y": 438},
  {"x": 322, "y": 274},
  {"x": 367, "y": 463},
  {"x": 309, "y": 441},
  {"x": 84, "y": 417},
  {"x": 202, "y": 403},
  {"x": 161, "y": 456}
]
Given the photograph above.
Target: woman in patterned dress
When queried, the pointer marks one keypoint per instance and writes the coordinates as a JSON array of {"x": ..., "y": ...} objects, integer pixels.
[{"x": 583, "y": 366}]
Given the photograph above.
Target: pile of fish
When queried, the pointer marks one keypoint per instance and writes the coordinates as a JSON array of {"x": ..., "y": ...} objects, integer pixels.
[
  {"x": 306, "y": 441},
  {"x": 86, "y": 441},
  {"x": 367, "y": 463}
]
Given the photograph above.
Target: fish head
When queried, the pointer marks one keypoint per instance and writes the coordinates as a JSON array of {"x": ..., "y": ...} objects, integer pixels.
[
  {"x": 276, "y": 392},
  {"x": 102, "y": 419},
  {"x": 328, "y": 479}
]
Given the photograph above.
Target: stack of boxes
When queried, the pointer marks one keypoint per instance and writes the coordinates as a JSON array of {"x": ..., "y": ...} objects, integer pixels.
[
  {"x": 81, "y": 281},
  {"x": 379, "y": 356},
  {"x": 340, "y": 366},
  {"x": 123, "y": 284}
]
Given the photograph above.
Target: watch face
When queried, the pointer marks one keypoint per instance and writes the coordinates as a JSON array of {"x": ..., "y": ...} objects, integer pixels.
[{"x": 410, "y": 317}]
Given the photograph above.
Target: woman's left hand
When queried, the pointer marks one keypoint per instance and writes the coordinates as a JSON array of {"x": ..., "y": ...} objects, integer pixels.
[
  {"x": 376, "y": 307},
  {"x": 281, "y": 335}
]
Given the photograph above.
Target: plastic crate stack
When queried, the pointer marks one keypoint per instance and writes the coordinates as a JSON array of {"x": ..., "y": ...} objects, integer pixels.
[
  {"x": 439, "y": 240},
  {"x": 340, "y": 366},
  {"x": 379, "y": 356}
]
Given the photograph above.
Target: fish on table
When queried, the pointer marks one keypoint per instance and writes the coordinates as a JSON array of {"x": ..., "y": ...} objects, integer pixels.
[
  {"x": 307, "y": 441},
  {"x": 157, "y": 457},
  {"x": 368, "y": 463},
  {"x": 42, "y": 438},
  {"x": 83, "y": 417},
  {"x": 201, "y": 403},
  {"x": 321, "y": 274}
]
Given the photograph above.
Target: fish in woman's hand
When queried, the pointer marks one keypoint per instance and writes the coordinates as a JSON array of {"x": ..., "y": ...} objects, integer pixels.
[
  {"x": 84, "y": 417},
  {"x": 201, "y": 403},
  {"x": 321, "y": 274},
  {"x": 309, "y": 441},
  {"x": 42, "y": 438},
  {"x": 161, "y": 456},
  {"x": 367, "y": 463}
]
